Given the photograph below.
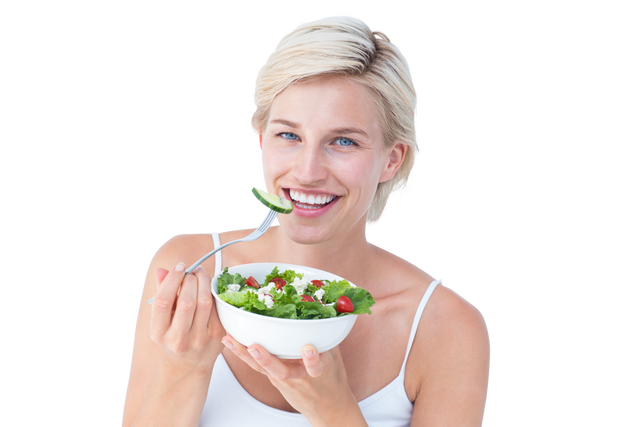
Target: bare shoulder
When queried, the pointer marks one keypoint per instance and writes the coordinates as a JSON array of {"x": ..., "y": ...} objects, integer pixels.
[
  {"x": 449, "y": 361},
  {"x": 447, "y": 369}
]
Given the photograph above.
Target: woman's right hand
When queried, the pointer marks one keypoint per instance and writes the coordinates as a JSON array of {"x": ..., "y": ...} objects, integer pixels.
[{"x": 184, "y": 320}]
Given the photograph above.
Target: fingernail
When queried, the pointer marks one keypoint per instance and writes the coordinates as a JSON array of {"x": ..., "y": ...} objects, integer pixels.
[
  {"x": 229, "y": 344},
  {"x": 308, "y": 353},
  {"x": 198, "y": 268},
  {"x": 179, "y": 267},
  {"x": 254, "y": 352}
]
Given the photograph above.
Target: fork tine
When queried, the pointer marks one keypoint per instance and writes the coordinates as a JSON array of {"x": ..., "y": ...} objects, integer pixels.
[{"x": 267, "y": 221}]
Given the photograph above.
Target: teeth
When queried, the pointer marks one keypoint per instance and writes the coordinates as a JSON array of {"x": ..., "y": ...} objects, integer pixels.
[{"x": 310, "y": 198}]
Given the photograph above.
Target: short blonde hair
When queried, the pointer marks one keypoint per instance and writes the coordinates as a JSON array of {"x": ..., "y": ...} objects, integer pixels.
[{"x": 346, "y": 46}]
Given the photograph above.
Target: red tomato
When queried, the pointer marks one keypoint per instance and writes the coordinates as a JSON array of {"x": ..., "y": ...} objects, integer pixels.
[
  {"x": 317, "y": 283},
  {"x": 344, "y": 305},
  {"x": 309, "y": 298},
  {"x": 279, "y": 282},
  {"x": 252, "y": 282}
]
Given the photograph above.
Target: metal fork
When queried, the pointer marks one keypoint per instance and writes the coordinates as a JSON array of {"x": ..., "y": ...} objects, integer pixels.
[{"x": 253, "y": 236}]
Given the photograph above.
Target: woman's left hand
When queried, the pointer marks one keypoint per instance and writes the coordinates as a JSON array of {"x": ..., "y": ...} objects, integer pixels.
[{"x": 315, "y": 385}]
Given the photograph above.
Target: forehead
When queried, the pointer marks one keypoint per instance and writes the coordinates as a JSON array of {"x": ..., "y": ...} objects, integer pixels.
[{"x": 332, "y": 101}]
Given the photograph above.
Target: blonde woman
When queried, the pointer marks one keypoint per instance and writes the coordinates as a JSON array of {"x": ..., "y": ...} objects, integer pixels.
[{"x": 335, "y": 118}]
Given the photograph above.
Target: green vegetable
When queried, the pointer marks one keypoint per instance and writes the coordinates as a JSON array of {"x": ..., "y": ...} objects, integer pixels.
[
  {"x": 287, "y": 304},
  {"x": 227, "y": 279},
  {"x": 273, "y": 202},
  {"x": 288, "y": 275}
]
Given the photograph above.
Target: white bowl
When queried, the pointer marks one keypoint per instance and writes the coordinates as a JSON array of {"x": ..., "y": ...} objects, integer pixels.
[{"x": 284, "y": 338}]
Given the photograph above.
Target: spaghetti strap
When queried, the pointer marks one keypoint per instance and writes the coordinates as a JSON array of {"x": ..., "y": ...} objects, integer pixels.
[
  {"x": 416, "y": 319},
  {"x": 218, "y": 255}
]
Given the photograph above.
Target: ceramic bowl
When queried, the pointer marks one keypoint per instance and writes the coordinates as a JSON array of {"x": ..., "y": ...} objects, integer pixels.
[{"x": 284, "y": 338}]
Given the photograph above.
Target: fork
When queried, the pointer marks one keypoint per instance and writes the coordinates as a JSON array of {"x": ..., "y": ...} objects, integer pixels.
[{"x": 257, "y": 233}]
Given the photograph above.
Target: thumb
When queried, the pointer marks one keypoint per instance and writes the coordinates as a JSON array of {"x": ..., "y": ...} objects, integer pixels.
[{"x": 312, "y": 361}]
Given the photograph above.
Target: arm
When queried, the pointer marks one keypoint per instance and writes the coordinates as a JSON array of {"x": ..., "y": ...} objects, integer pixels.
[
  {"x": 451, "y": 359},
  {"x": 176, "y": 397},
  {"x": 176, "y": 343}
]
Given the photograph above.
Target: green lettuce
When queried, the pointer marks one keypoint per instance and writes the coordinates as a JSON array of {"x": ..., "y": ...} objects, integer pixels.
[
  {"x": 288, "y": 275},
  {"x": 287, "y": 303},
  {"x": 227, "y": 279}
]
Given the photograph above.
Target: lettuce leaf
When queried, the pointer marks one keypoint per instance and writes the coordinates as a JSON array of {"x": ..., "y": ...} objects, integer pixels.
[
  {"x": 288, "y": 275},
  {"x": 335, "y": 289},
  {"x": 361, "y": 299},
  {"x": 316, "y": 310},
  {"x": 287, "y": 303},
  {"x": 227, "y": 279}
]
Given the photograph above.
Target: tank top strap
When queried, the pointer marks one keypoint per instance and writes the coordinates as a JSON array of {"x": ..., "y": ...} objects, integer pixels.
[
  {"x": 416, "y": 320},
  {"x": 217, "y": 255}
]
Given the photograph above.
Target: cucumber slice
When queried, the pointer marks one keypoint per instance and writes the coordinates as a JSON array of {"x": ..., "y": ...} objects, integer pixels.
[{"x": 273, "y": 202}]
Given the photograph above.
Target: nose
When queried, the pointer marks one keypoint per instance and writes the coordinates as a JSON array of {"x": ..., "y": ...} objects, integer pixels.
[{"x": 310, "y": 163}]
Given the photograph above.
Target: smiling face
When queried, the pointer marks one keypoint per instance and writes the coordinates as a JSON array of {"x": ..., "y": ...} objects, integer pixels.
[{"x": 322, "y": 148}]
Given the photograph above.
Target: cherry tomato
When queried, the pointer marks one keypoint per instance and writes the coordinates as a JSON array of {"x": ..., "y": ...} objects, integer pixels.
[
  {"x": 279, "y": 282},
  {"x": 252, "y": 282},
  {"x": 309, "y": 298},
  {"x": 317, "y": 283},
  {"x": 344, "y": 305}
]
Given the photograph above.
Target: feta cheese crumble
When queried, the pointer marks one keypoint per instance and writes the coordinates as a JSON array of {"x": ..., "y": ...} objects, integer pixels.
[
  {"x": 300, "y": 285},
  {"x": 268, "y": 300},
  {"x": 264, "y": 294}
]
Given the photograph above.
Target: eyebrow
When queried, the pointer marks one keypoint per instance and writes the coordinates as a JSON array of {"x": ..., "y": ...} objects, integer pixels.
[{"x": 343, "y": 130}]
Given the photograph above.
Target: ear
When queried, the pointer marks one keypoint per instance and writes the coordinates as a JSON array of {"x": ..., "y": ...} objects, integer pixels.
[
  {"x": 395, "y": 158},
  {"x": 261, "y": 141}
]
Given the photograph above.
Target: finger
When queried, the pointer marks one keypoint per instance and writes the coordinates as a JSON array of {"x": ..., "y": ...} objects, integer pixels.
[
  {"x": 242, "y": 353},
  {"x": 312, "y": 361},
  {"x": 204, "y": 302},
  {"x": 275, "y": 367},
  {"x": 163, "y": 302},
  {"x": 185, "y": 307}
]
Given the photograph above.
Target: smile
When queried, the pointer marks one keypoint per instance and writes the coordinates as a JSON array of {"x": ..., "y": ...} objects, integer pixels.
[
  {"x": 310, "y": 201},
  {"x": 318, "y": 199}
]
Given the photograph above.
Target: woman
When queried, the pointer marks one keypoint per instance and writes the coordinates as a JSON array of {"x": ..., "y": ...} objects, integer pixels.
[{"x": 335, "y": 119}]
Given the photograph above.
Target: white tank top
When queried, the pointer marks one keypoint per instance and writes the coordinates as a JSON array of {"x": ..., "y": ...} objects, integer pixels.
[{"x": 230, "y": 405}]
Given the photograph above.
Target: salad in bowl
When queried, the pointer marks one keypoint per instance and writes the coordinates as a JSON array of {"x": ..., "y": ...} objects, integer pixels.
[{"x": 284, "y": 307}]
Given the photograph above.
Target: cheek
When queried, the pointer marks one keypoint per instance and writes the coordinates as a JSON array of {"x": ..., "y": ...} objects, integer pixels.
[
  {"x": 361, "y": 174},
  {"x": 273, "y": 165}
]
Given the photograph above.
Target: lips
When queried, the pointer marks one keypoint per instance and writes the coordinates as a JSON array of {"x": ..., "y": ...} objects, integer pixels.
[{"x": 307, "y": 209}]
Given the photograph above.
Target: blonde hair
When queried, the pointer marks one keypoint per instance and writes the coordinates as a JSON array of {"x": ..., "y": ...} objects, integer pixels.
[{"x": 347, "y": 47}]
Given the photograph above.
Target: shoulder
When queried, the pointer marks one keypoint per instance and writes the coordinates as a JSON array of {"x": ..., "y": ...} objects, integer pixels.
[
  {"x": 187, "y": 248},
  {"x": 449, "y": 359},
  {"x": 451, "y": 330}
]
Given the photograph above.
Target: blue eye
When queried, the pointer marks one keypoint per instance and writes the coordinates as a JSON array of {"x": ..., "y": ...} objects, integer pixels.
[
  {"x": 344, "y": 142},
  {"x": 288, "y": 135}
]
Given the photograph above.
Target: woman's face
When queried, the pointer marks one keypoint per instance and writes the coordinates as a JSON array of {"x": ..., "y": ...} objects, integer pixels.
[{"x": 322, "y": 149}]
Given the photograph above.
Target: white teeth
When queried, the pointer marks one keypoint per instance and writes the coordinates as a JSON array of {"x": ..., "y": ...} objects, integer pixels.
[{"x": 310, "y": 199}]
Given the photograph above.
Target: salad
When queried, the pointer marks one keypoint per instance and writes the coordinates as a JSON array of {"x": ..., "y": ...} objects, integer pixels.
[{"x": 289, "y": 295}]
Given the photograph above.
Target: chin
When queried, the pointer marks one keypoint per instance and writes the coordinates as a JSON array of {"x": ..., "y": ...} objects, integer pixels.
[{"x": 304, "y": 235}]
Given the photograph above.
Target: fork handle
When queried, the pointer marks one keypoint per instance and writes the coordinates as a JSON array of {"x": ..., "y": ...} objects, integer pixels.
[
  {"x": 207, "y": 256},
  {"x": 203, "y": 259}
]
